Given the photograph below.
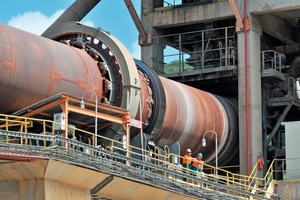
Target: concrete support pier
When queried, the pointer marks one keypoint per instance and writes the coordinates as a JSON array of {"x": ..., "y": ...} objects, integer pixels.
[{"x": 250, "y": 101}]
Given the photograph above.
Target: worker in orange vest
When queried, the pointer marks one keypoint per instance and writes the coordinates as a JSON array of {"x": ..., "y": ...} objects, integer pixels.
[
  {"x": 197, "y": 165},
  {"x": 187, "y": 161}
]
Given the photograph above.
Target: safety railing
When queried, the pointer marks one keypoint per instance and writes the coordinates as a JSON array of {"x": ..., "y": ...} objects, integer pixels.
[
  {"x": 281, "y": 170},
  {"x": 197, "y": 51},
  {"x": 252, "y": 183},
  {"x": 284, "y": 169},
  {"x": 272, "y": 60},
  {"x": 283, "y": 91},
  {"x": 20, "y": 133},
  {"x": 243, "y": 182},
  {"x": 168, "y": 3}
]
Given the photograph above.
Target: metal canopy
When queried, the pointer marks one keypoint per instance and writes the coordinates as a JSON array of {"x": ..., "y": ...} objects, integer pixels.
[{"x": 81, "y": 118}]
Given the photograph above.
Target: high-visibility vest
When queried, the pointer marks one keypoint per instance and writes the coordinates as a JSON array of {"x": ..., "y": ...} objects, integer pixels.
[
  {"x": 187, "y": 159},
  {"x": 196, "y": 162}
]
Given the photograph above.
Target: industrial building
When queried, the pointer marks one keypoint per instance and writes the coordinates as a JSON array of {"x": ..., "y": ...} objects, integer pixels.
[
  {"x": 246, "y": 50},
  {"x": 223, "y": 71}
]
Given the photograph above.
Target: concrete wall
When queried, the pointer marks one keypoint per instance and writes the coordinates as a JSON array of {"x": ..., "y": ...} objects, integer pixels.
[
  {"x": 191, "y": 15},
  {"x": 288, "y": 190},
  {"x": 9, "y": 190}
]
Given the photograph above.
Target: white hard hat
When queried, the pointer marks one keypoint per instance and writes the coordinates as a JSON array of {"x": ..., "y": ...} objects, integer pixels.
[{"x": 189, "y": 151}]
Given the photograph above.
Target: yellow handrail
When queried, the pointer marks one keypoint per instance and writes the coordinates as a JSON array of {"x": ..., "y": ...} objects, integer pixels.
[{"x": 24, "y": 125}]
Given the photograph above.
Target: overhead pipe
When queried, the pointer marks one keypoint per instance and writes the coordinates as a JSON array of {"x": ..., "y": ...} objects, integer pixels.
[
  {"x": 145, "y": 38},
  {"x": 237, "y": 13},
  {"x": 76, "y": 12}
]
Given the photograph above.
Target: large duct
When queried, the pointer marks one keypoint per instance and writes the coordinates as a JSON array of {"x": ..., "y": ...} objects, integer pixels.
[{"x": 76, "y": 12}]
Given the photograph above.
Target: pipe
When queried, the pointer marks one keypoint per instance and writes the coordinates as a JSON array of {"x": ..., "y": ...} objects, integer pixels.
[
  {"x": 136, "y": 20},
  {"x": 76, "y": 12},
  {"x": 237, "y": 14},
  {"x": 247, "y": 99}
]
